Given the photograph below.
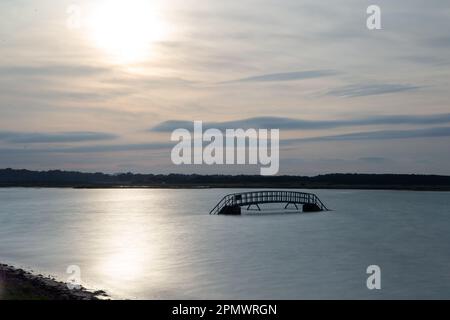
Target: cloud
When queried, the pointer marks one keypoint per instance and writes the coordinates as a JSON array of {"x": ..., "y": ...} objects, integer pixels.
[
  {"x": 374, "y": 135},
  {"x": 424, "y": 60},
  {"x": 287, "y": 76},
  {"x": 64, "y": 137},
  {"x": 113, "y": 148},
  {"x": 149, "y": 81},
  {"x": 374, "y": 159},
  {"x": 298, "y": 124},
  {"x": 379, "y": 135},
  {"x": 89, "y": 149},
  {"x": 439, "y": 42},
  {"x": 370, "y": 90},
  {"x": 52, "y": 70}
]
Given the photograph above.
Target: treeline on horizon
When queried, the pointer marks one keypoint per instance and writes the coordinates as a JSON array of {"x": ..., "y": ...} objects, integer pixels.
[{"x": 57, "y": 178}]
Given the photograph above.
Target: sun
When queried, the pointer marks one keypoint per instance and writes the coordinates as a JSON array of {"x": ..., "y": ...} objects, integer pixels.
[{"x": 126, "y": 29}]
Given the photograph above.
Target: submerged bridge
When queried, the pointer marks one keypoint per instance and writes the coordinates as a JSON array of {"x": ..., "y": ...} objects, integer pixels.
[{"x": 232, "y": 203}]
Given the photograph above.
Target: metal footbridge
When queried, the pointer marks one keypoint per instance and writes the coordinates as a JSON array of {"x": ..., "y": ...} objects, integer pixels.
[{"x": 232, "y": 203}]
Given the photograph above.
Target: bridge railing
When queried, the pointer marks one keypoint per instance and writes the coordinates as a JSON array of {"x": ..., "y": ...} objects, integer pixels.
[
  {"x": 226, "y": 201},
  {"x": 272, "y": 196}
]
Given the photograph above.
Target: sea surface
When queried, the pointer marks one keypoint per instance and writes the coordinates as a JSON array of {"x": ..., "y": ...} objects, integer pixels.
[{"x": 163, "y": 244}]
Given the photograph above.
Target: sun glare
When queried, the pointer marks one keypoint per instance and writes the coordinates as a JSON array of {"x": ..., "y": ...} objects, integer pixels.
[{"x": 126, "y": 29}]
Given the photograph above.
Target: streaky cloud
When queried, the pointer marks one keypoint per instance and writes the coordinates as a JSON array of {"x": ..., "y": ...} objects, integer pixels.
[
  {"x": 298, "y": 124},
  {"x": 286, "y": 76},
  {"x": 439, "y": 42},
  {"x": 116, "y": 148},
  {"x": 378, "y": 135},
  {"x": 92, "y": 148},
  {"x": 374, "y": 159},
  {"x": 370, "y": 90},
  {"x": 371, "y": 135},
  {"x": 60, "y": 137},
  {"x": 52, "y": 70}
]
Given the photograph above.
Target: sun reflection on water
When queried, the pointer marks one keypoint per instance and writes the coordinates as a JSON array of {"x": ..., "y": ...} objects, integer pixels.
[{"x": 128, "y": 249}]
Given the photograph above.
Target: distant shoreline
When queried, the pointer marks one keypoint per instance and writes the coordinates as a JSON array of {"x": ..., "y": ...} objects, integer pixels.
[
  {"x": 18, "y": 284},
  {"x": 195, "y": 187},
  {"x": 10, "y": 178}
]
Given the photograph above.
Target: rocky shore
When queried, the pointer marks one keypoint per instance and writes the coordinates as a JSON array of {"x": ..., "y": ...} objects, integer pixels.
[{"x": 18, "y": 284}]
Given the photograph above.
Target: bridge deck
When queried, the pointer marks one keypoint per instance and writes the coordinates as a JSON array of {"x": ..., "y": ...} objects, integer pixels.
[{"x": 260, "y": 197}]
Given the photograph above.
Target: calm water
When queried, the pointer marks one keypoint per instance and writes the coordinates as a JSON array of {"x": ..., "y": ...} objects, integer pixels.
[{"x": 162, "y": 244}]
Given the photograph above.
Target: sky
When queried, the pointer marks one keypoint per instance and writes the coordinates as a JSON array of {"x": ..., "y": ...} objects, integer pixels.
[{"x": 100, "y": 85}]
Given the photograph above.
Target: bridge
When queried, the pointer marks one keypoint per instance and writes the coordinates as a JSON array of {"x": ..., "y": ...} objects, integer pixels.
[{"x": 232, "y": 203}]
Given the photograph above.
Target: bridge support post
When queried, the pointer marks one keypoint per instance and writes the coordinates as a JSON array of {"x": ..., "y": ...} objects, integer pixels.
[
  {"x": 311, "y": 207},
  {"x": 231, "y": 210},
  {"x": 257, "y": 206},
  {"x": 287, "y": 205}
]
